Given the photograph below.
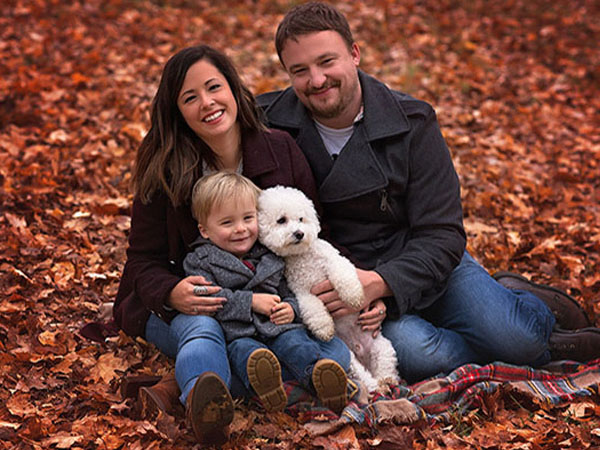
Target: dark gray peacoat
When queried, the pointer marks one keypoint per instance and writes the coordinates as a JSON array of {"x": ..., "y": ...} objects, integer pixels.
[{"x": 392, "y": 196}]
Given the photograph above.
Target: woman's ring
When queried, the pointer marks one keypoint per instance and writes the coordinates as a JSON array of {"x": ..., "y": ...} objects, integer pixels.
[
  {"x": 200, "y": 290},
  {"x": 381, "y": 312}
]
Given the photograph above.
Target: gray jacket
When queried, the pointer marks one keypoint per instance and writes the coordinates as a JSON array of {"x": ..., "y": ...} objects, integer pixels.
[
  {"x": 239, "y": 282},
  {"x": 392, "y": 196}
]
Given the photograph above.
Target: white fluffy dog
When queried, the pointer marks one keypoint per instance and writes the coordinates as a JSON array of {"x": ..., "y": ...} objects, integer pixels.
[{"x": 289, "y": 227}]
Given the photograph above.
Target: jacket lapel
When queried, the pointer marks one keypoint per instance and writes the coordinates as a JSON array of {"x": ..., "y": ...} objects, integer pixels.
[
  {"x": 356, "y": 171},
  {"x": 265, "y": 271},
  {"x": 312, "y": 146}
]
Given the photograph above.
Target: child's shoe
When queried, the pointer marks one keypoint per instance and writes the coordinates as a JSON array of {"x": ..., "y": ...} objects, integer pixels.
[
  {"x": 329, "y": 380},
  {"x": 264, "y": 374}
]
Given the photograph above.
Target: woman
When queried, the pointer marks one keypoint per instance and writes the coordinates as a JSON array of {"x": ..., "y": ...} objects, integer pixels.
[{"x": 203, "y": 120}]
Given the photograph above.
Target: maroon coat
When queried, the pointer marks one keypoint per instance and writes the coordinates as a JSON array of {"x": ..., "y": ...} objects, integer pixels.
[{"x": 161, "y": 235}]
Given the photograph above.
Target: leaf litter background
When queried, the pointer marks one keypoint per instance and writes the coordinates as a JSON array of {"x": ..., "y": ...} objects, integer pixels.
[{"x": 516, "y": 87}]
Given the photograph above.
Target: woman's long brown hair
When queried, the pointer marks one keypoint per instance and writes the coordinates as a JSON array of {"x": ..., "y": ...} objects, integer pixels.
[{"x": 171, "y": 154}]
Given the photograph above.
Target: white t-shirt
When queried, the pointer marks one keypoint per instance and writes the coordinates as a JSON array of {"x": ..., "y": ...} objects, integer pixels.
[{"x": 335, "y": 138}]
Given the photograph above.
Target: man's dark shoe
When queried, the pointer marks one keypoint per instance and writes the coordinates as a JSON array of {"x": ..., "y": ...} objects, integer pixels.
[
  {"x": 575, "y": 345},
  {"x": 209, "y": 410},
  {"x": 569, "y": 314},
  {"x": 163, "y": 396}
]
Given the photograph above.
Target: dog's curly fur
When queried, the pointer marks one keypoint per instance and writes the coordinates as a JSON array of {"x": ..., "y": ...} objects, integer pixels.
[{"x": 288, "y": 225}]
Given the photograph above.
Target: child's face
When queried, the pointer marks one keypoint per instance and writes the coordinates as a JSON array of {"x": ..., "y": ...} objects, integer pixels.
[{"x": 232, "y": 226}]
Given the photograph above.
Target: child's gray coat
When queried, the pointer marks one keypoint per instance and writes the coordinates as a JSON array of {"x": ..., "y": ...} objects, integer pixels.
[{"x": 239, "y": 282}]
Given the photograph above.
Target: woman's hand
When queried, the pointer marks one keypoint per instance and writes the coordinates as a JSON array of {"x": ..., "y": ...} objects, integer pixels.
[
  {"x": 371, "y": 318},
  {"x": 190, "y": 296}
]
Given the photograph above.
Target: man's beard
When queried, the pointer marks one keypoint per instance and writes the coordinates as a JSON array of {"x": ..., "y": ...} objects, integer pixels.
[{"x": 333, "y": 110}]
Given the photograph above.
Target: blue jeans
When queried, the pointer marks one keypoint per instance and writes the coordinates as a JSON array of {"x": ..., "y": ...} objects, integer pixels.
[
  {"x": 477, "y": 320},
  {"x": 296, "y": 350},
  {"x": 196, "y": 343}
]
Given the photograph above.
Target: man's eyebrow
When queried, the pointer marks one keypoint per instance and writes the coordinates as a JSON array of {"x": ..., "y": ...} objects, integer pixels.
[{"x": 318, "y": 58}]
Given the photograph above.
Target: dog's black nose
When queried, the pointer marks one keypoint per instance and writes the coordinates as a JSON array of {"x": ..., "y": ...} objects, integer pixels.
[{"x": 298, "y": 235}]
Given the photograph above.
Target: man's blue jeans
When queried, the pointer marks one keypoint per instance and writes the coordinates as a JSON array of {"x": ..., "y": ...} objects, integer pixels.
[
  {"x": 196, "y": 343},
  {"x": 296, "y": 350},
  {"x": 477, "y": 320}
]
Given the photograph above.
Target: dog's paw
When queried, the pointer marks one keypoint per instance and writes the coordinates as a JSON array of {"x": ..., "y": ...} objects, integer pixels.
[
  {"x": 384, "y": 386},
  {"x": 351, "y": 293},
  {"x": 353, "y": 301},
  {"x": 323, "y": 333}
]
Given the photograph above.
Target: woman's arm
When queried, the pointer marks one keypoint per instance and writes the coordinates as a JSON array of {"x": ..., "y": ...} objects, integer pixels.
[{"x": 148, "y": 274}]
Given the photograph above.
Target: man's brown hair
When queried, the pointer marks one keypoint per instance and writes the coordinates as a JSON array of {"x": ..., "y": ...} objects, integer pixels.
[{"x": 310, "y": 18}]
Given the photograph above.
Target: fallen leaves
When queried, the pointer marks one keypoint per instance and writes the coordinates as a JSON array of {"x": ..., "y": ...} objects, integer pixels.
[{"x": 515, "y": 87}]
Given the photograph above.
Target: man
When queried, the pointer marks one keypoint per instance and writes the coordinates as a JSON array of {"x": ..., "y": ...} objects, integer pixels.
[{"x": 391, "y": 197}]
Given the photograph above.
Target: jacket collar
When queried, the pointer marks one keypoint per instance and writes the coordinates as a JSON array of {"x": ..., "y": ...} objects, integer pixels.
[
  {"x": 383, "y": 114},
  {"x": 217, "y": 257},
  {"x": 357, "y": 170}
]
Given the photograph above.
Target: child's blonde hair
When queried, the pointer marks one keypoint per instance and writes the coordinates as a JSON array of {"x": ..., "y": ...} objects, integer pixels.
[{"x": 212, "y": 190}]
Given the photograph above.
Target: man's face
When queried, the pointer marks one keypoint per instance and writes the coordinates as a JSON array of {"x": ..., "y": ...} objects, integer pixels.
[{"x": 323, "y": 73}]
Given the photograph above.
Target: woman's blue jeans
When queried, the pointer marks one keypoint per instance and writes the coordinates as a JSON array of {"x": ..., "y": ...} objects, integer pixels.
[
  {"x": 296, "y": 350},
  {"x": 196, "y": 343},
  {"x": 477, "y": 320}
]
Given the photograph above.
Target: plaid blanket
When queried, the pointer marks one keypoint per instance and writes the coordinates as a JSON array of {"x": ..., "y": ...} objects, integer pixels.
[{"x": 437, "y": 399}]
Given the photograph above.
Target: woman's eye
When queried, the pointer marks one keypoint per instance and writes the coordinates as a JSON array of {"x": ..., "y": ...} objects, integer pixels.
[
  {"x": 281, "y": 220},
  {"x": 189, "y": 99}
]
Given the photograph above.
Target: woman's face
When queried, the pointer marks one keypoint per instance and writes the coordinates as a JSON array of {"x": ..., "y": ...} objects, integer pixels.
[{"x": 207, "y": 103}]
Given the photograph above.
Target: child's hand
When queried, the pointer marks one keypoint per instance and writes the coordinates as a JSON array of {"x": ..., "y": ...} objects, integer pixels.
[
  {"x": 264, "y": 303},
  {"x": 282, "y": 313}
]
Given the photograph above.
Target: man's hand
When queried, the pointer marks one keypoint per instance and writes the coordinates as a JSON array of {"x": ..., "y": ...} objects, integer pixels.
[
  {"x": 184, "y": 300},
  {"x": 374, "y": 287}
]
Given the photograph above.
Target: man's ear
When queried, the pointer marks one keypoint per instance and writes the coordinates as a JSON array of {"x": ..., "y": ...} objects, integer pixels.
[
  {"x": 202, "y": 231},
  {"x": 355, "y": 52}
]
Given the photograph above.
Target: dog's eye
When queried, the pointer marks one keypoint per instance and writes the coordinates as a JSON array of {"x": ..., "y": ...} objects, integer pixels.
[
  {"x": 282, "y": 220},
  {"x": 300, "y": 219}
]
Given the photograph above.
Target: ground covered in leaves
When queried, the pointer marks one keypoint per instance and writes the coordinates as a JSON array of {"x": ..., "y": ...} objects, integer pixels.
[{"x": 516, "y": 88}]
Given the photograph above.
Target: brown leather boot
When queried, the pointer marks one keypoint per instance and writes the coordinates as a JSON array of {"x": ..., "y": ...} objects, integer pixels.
[
  {"x": 163, "y": 396},
  {"x": 209, "y": 409},
  {"x": 575, "y": 345},
  {"x": 569, "y": 314}
]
